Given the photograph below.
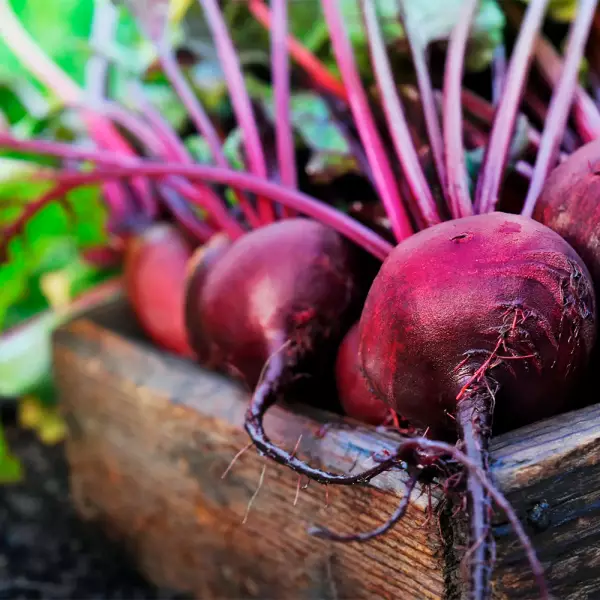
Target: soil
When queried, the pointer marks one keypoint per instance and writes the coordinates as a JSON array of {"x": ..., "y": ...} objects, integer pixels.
[{"x": 45, "y": 550}]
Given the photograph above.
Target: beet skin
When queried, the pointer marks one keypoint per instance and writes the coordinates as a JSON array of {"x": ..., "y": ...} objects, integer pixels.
[
  {"x": 355, "y": 397},
  {"x": 493, "y": 299},
  {"x": 154, "y": 273}
]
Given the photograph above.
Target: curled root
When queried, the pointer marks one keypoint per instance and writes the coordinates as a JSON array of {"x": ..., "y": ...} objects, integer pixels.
[
  {"x": 263, "y": 398},
  {"x": 399, "y": 513}
]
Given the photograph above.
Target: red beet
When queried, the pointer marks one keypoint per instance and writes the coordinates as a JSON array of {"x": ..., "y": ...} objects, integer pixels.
[
  {"x": 490, "y": 315},
  {"x": 569, "y": 205},
  {"x": 355, "y": 397},
  {"x": 274, "y": 306},
  {"x": 155, "y": 270}
]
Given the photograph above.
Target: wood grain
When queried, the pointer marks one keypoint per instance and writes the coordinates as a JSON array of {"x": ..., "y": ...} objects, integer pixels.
[{"x": 151, "y": 435}]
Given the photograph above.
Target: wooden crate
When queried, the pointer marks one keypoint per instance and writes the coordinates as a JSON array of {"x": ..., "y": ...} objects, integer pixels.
[{"x": 150, "y": 436}]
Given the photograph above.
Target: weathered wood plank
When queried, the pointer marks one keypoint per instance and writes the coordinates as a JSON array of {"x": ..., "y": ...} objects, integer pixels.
[
  {"x": 150, "y": 436},
  {"x": 550, "y": 472},
  {"x": 150, "y": 439}
]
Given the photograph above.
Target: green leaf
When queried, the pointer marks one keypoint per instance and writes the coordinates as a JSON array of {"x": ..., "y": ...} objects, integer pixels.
[
  {"x": 25, "y": 355},
  {"x": 314, "y": 124},
  {"x": 233, "y": 149},
  {"x": 50, "y": 241},
  {"x": 165, "y": 100},
  {"x": 324, "y": 167},
  {"x": 60, "y": 27},
  {"x": 198, "y": 148},
  {"x": 11, "y": 470}
]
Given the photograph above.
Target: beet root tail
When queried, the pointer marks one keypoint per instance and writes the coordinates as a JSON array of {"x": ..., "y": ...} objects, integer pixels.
[
  {"x": 474, "y": 421},
  {"x": 398, "y": 514},
  {"x": 265, "y": 395}
]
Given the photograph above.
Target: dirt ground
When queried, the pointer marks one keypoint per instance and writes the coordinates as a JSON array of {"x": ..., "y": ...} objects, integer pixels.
[{"x": 45, "y": 550}]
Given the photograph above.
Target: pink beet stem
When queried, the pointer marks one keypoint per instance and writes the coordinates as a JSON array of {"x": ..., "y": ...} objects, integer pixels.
[
  {"x": 200, "y": 230},
  {"x": 239, "y": 99},
  {"x": 560, "y": 104},
  {"x": 496, "y": 155},
  {"x": 169, "y": 143},
  {"x": 103, "y": 25},
  {"x": 202, "y": 123},
  {"x": 456, "y": 168},
  {"x": 428, "y": 102},
  {"x": 172, "y": 150},
  {"x": 177, "y": 151},
  {"x": 482, "y": 110},
  {"x": 125, "y": 166},
  {"x": 316, "y": 70},
  {"x": 585, "y": 111},
  {"x": 398, "y": 127},
  {"x": 150, "y": 138},
  {"x": 281, "y": 83},
  {"x": 498, "y": 73},
  {"x": 365, "y": 123},
  {"x": 352, "y": 229}
]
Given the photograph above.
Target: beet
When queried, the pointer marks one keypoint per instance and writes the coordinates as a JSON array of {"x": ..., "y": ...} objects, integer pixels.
[
  {"x": 154, "y": 276},
  {"x": 568, "y": 204},
  {"x": 486, "y": 316},
  {"x": 275, "y": 306},
  {"x": 355, "y": 397},
  {"x": 458, "y": 297}
]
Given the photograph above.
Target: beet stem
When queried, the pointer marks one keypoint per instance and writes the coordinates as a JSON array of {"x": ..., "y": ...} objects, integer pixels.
[
  {"x": 539, "y": 109},
  {"x": 429, "y": 104},
  {"x": 482, "y": 110},
  {"x": 365, "y": 123},
  {"x": 496, "y": 154},
  {"x": 473, "y": 420},
  {"x": 560, "y": 103},
  {"x": 326, "y": 534},
  {"x": 179, "y": 208},
  {"x": 201, "y": 121},
  {"x": 127, "y": 167},
  {"x": 396, "y": 118},
  {"x": 95, "y": 78},
  {"x": 549, "y": 62},
  {"x": 204, "y": 195},
  {"x": 240, "y": 100},
  {"x": 315, "y": 69},
  {"x": 196, "y": 112},
  {"x": 456, "y": 168},
  {"x": 171, "y": 147},
  {"x": 498, "y": 73},
  {"x": 281, "y": 83}
]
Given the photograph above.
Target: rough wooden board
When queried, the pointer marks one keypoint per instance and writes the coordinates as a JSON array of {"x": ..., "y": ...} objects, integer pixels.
[
  {"x": 556, "y": 462},
  {"x": 151, "y": 436}
]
